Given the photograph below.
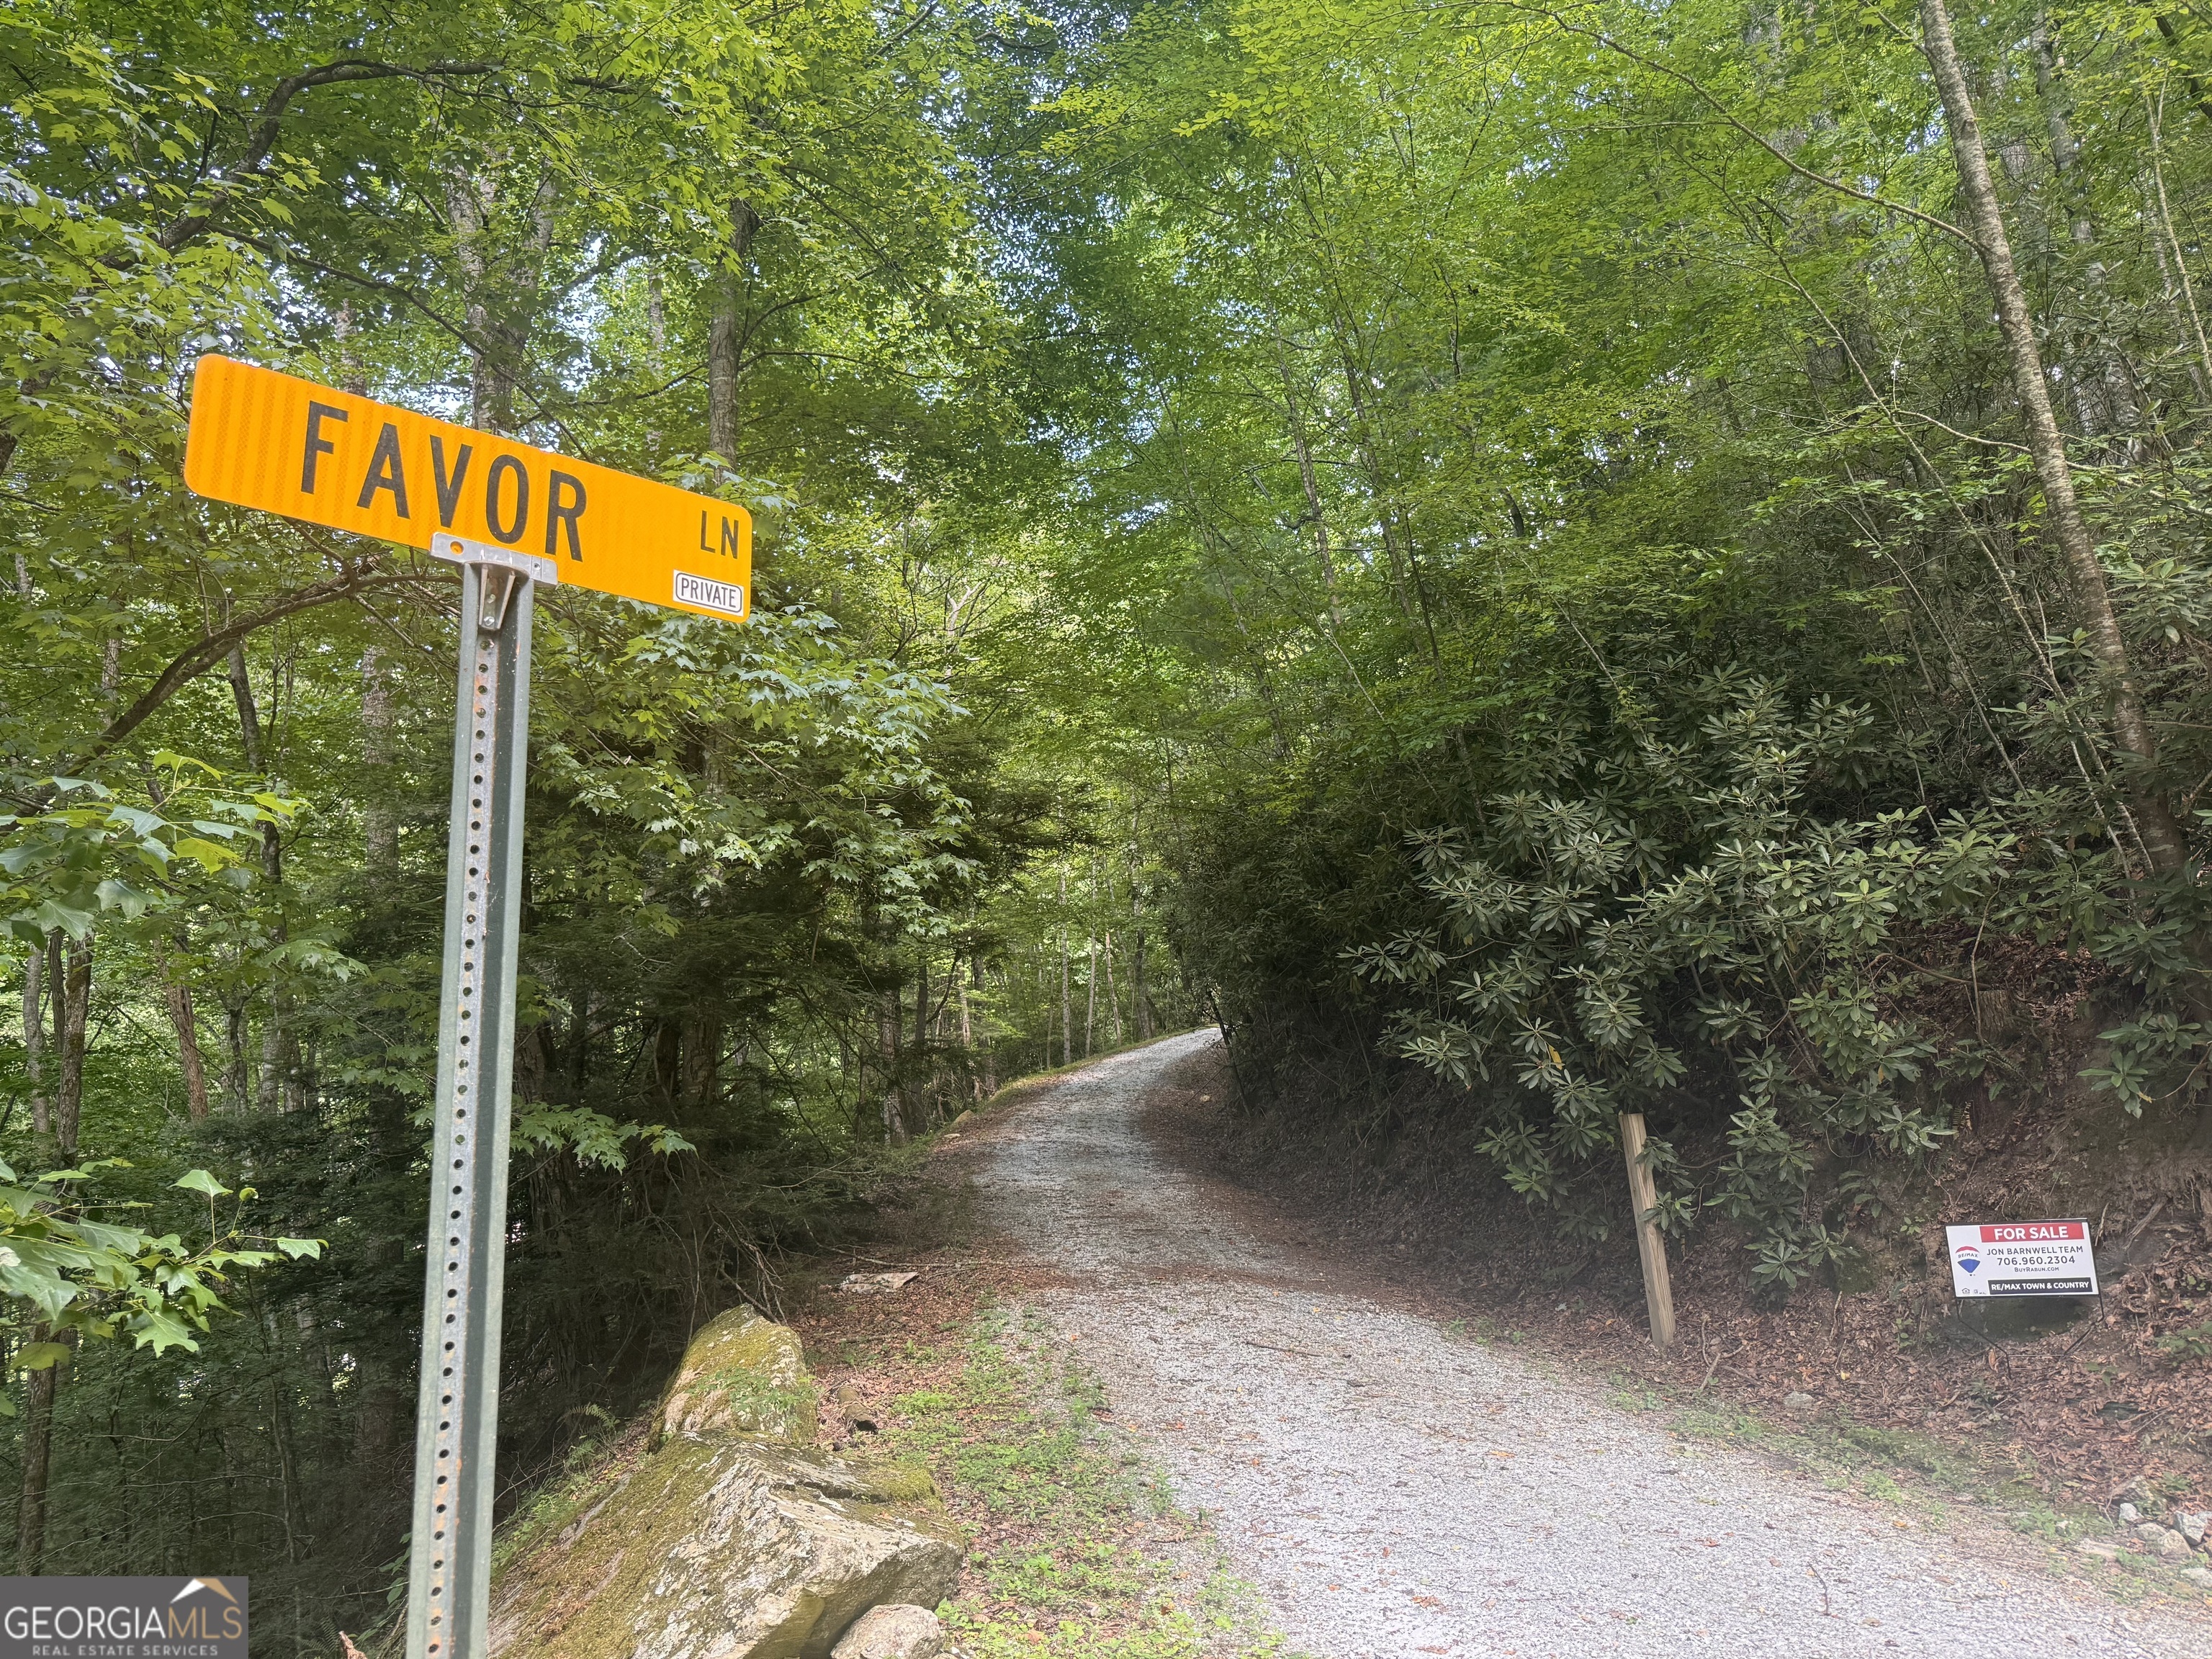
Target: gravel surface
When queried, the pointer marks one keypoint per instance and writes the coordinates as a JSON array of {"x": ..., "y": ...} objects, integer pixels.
[{"x": 1393, "y": 1490}]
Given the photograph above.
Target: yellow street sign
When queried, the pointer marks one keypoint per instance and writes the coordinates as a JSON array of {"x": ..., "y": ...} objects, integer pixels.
[{"x": 263, "y": 439}]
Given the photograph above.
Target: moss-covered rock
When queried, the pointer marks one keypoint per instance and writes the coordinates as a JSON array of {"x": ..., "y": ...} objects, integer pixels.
[
  {"x": 730, "y": 1537},
  {"x": 718, "y": 1548},
  {"x": 742, "y": 1375}
]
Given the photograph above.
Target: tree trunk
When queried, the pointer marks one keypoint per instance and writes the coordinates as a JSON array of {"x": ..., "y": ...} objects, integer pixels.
[
  {"x": 1311, "y": 483},
  {"x": 1143, "y": 1009},
  {"x": 500, "y": 279},
  {"x": 703, "y": 1059},
  {"x": 2103, "y": 400},
  {"x": 268, "y": 1093},
  {"x": 178, "y": 996},
  {"x": 887, "y": 1043},
  {"x": 1090, "y": 992},
  {"x": 656, "y": 335},
  {"x": 39, "y": 1391},
  {"x": 667, "y": 1060},
  {"x": 380, "y": 826},
  {"x": 37, "y": 985},
  {"x": 919, "y": 1104},
  {"x": 726, "y": 335},
  {"x": 967, "y": 1029},
  {"x": 1113, "y": 991},
  {"x": 2160, "y": 836},
  {"x": 1066, "y": 1002},
  {"x": 1386, "y": 517},
  {"x": 990, "y": 1079},
  {"x": 234, "y": 1076},
  {"x": 76, "y": 1012}
]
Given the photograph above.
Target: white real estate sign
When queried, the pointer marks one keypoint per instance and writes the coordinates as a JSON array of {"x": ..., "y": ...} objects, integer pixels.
[{"x": 2022, "y": 1258}]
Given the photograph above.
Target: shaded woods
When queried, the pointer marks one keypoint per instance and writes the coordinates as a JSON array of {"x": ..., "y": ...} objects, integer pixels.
[
  {"x": 1534, "y": 562},
  {"x": 796, "y": 893}
]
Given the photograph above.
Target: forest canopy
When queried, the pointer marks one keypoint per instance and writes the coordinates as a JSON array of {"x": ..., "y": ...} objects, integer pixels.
[{"x": 1553, "y": 560}]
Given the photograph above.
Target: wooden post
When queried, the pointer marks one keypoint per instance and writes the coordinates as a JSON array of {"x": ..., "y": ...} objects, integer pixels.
[{"x": 1658, "y": 1294}]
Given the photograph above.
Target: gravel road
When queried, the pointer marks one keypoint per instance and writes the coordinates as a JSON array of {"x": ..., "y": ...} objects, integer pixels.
[{"x": 1393, "y": 1490}]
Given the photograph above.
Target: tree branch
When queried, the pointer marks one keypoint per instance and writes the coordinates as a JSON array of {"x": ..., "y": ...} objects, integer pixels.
[
  {"x": 1711, "y": 101},
  {"x": 263, "y": 142},
  {"x": 205, "y": 654}
]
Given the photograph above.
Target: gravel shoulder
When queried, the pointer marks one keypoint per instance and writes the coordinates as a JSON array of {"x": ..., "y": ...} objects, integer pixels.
[{"x": 1392, "y": 1489}]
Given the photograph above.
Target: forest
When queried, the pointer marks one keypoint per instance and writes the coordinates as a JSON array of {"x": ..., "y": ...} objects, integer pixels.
[{"x": 1530, "y": 561}]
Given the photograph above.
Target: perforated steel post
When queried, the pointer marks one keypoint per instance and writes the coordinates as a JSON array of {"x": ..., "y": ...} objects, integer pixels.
[{"x": 457, "y": 1426}]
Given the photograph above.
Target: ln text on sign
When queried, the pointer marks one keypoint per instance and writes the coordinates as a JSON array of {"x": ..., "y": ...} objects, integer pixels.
[
  {"x": 263, "y": 439},
  {"x": 2022, "y": 1258}
]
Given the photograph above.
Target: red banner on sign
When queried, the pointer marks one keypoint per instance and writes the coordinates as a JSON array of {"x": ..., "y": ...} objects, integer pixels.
[{"x": 2034, "y": 1232}]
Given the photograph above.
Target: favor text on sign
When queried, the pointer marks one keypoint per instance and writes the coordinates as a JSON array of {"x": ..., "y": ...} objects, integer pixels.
[{"x": 263, "y": 439}]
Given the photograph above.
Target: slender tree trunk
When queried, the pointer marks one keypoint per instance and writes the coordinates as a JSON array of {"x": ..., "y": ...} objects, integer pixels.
[
  {"x": 1113, "y": 994},
  {"x": 35, "y": 998},
  {"x": 177, "y": 996},
  {"x": 269, "y": 1082},
  {"x": 40, "y": 1389},
  {"x": 2103, "y": 400},
  {"x": 703, "y": 1058},
  {"x": 920, "y": 1103},
  {"x": 1066, "y": 1002},
  {"x": 967, "y": 1029},
  {"x": 990, "y": 1083},
  {"x": 234, "y": 1089},
  {"x": 2161, "y": 837},
  {"x": 887, "y": 1042},
  {"x": 470, "y": 196},
  {"x": 726, "y": 335},
  {"x": 1386, "y": 517},
  {"x": 75, "y": 1013},
  {"x": 656, "y": 335},
  {"x": 667, "y": 1060},
  {"x": 1137, "y": 994},
  {"x": 1311, "y": 483},
  {"x": 379, "y": 826},
  {"x": 499, "y": 278},
  {"x": 1090, "y": 991}
]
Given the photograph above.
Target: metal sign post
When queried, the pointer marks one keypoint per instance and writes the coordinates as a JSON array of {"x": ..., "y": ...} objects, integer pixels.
[
  {"x": 514, "y": 516},
  {"x": 456, "y": 1418}
]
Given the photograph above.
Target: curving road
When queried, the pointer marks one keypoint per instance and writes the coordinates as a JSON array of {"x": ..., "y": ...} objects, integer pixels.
[{"x": 1391, "y": 1491}]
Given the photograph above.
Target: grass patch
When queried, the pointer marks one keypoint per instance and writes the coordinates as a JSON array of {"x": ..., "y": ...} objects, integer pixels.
[{"x": 1076, "y": 1549}]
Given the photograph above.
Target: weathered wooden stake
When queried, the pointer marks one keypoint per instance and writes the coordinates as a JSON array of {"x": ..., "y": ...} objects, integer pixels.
[{"x": 1650, "y": 1244}]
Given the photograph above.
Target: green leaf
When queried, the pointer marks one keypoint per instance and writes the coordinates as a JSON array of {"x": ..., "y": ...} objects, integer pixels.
[
  {"x": 199, "y": 1180},
  {"x": 296, "y": 1248},
  {"x": 39, "y": 1356}
]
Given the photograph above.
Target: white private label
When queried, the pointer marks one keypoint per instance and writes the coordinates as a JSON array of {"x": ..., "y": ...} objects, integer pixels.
[{"x": 728, "y": 598}]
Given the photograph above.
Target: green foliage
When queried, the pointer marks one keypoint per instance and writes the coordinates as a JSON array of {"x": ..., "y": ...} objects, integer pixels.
[
  {"x": 2189, "y": 1342},
  {"x": 784, "y": 901},
  {"x": 1596, "y": 597},
  {"x": 64, "y": 1271}
]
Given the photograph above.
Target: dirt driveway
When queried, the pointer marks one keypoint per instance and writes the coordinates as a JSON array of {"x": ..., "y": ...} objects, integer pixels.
[{"x": 1392, "y": 1489}]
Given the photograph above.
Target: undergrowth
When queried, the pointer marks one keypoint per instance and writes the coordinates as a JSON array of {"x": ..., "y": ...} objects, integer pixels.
[{"x": 1081, "y": 1551}]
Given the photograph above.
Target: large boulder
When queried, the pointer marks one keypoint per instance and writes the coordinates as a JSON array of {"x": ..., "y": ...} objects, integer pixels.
[
  {"x": 742, "y": 1375},
  {"x": 730, "y": 1538}
]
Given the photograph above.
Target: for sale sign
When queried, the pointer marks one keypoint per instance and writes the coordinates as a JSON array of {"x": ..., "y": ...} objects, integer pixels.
[{"x": 2022, "y": 1258}]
